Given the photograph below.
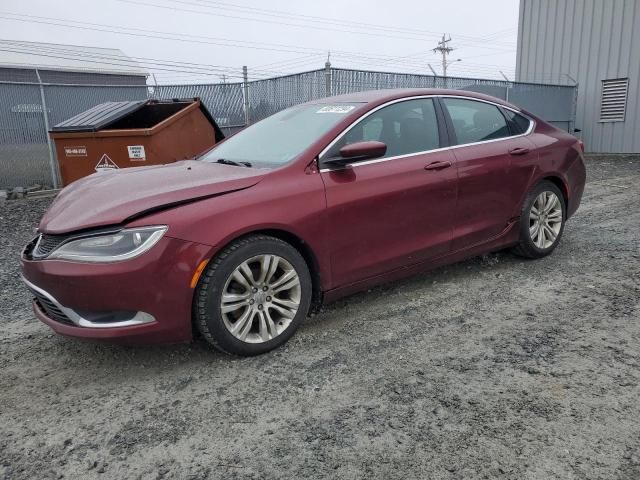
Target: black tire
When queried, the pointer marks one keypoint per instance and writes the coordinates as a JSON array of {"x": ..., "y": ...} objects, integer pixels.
[
  {"x": 527, "y": 248},
  {"x": 206, "y": 305}
]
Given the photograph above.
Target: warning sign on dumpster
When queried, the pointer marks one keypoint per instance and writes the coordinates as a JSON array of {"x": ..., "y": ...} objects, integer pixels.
[
  {"x": 136, "y": 153},
  {"x": 75, "y": 151},
  {"x": 105, "y": 164}
]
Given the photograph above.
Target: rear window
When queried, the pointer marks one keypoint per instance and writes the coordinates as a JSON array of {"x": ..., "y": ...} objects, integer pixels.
[
  {"x": 475, "y": 121},
  {"x": 518, "y": 122}
]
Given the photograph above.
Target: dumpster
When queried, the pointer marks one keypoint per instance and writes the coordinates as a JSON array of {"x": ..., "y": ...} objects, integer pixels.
[{"x": 132, "y": 134}]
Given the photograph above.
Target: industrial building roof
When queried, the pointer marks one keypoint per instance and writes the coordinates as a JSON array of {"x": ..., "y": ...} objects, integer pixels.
[{"x": 70, "y": 58}]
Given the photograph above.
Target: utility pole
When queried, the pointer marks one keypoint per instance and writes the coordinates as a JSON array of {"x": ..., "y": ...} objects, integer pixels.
[{"x": 444, "y": 49}]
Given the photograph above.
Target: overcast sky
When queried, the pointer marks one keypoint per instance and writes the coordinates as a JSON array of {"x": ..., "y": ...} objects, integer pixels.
[{"x": 205, "y": 39}]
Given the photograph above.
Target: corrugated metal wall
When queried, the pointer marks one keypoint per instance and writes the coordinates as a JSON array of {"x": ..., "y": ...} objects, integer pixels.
[{"x": 589, "y": 41}]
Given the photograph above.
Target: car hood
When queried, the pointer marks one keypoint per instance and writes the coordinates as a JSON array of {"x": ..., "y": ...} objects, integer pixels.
[{"x": 112, "y": 197}]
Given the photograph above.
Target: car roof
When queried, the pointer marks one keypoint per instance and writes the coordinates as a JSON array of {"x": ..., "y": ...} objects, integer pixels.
[{"x": 389, "y": 94}]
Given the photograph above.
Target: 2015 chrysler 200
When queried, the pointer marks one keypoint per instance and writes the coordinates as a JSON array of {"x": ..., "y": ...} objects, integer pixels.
[{"x": 310, "y": 204}]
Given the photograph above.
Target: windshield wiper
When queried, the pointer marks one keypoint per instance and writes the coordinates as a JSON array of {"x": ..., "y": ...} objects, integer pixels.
[{"x": 224, "y": 161}]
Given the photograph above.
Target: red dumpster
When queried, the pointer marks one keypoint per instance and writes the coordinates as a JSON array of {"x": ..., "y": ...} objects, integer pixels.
[{"x": 132, "y": 134}]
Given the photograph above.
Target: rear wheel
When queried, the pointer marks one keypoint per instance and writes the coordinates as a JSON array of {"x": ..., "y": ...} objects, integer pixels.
[
  {"x": 253, "y": 296},
  {"x": 541, "y": 221}
]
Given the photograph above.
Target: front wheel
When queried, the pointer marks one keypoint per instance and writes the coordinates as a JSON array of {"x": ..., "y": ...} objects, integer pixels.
[
  {"x": 253, "y": 296},
  {"x": 541, "y": 221}
]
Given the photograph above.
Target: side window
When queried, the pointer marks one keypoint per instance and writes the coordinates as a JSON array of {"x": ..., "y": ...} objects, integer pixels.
[
  {"x": 372, "y": 130},
  {"x": 476, "y": 121},
  {"x": 518, "y": 121},
  {"x": 405, "y": 127}
]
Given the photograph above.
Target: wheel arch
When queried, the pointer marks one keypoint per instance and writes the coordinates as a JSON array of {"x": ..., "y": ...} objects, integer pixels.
[
  {"x": 309, "y": 257},
  {"x": 300, "y": 245},
  {"x": 561, "y": 184}
]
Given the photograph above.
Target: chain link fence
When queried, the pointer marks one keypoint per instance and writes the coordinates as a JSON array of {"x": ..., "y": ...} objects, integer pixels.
[
  {"x": 25, "y": 111},
  {"x": 24, "y": 155},
  {"x": 27, "y": 108}
]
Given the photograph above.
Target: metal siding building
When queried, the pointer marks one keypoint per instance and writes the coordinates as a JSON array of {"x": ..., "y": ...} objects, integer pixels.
[
  {"x": 22, "y": 61},
  {"x": 589, "y": 41}
]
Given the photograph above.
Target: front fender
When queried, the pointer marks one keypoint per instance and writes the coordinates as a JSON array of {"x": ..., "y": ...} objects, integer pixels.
[{"x": 294, "y": 204}]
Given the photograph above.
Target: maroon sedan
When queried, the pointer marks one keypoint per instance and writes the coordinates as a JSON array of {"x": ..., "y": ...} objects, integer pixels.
[{"x": 313, "y": 203}]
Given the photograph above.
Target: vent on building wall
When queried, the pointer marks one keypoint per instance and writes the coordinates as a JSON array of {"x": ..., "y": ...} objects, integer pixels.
[{"x": 614, "y": 99}]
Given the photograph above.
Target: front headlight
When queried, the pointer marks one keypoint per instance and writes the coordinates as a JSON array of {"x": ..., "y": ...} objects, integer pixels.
[{"x": 110, "y": 247}]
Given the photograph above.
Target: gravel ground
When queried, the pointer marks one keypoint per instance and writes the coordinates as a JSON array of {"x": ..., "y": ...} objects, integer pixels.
[{"x": 491, "y": 368}]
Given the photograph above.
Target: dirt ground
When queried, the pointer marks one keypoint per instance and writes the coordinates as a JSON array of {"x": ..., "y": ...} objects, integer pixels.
[{"x": 496, "y": 367}]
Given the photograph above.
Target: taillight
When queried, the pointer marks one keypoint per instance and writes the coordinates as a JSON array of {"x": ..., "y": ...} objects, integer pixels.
[{"x": 581, "y": 143}]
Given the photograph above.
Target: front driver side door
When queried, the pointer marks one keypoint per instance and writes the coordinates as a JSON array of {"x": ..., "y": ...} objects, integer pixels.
[{"x": 393, "y": 211}]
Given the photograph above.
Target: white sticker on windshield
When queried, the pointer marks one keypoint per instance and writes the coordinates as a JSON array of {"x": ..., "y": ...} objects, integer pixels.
[{"x": 336, "y": 109}]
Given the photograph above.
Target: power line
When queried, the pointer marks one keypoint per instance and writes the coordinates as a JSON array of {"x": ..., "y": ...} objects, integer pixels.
[
  {"x": 181, "y": 37},
  {"x": 292, "y": 60},
  {"x": 71, "y": 67},
  {"x": 199, "y": 39},
  {"x": 369, "y": 59},
  {"x": 409, "y": 60},
  {"x": 190, "y": 69},
  {"x": 102, "y": 60},
  {"x": 316, "y": 19},
  {"x": 62, "y": 51},
  {"x": 120, "y": 61},
  {"x": 277, "y": 22},
  {"x": 30, "y": 49},
  {"x": 154, "y": 34}
]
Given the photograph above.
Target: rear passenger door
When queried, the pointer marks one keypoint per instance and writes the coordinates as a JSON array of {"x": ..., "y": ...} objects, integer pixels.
[{"x": 485, "y": 147}]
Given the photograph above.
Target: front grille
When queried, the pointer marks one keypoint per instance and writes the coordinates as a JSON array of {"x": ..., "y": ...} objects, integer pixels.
[
  {"x": 48, "y": 243},
  {"x": 50, "y": 309}
]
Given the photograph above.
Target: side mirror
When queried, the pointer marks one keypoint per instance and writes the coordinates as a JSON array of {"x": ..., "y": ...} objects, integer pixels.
[{"x": 355, "y": 152}]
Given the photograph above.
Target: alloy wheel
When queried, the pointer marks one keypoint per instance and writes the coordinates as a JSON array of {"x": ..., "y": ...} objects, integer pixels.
[
  {"x": 260, "y": 298},
  {"x": 545, "y": 220}
]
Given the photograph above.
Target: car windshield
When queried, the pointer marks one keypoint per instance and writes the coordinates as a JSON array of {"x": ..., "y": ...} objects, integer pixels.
[{"x": 280, "y": 138}]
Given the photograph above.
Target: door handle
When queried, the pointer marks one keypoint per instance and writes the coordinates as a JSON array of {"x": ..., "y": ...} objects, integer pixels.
[
  {"x": 437, "y": 165},
  {"x": 519, "y": 151}
]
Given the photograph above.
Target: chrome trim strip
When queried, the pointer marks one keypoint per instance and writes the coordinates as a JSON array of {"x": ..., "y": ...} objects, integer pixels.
[
  {"x": 532, "y": 124},
  {"x": 140, "y": 318}
]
